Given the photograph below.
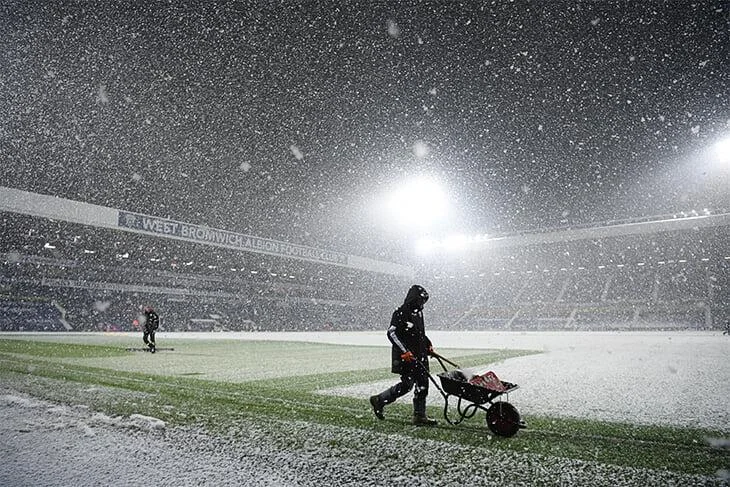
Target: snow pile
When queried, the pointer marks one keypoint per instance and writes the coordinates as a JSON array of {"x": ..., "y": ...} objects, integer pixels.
[{"x": 146, "y": 422}]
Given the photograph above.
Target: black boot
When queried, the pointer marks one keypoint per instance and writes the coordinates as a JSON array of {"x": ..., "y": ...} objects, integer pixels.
[
  {"x": 423, "y": 420},
  {"x": 377, "y": 405}
]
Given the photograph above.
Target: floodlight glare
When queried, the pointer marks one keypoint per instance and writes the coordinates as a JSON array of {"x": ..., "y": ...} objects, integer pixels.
[
  {"x": 418, "y": 201},
  {"x": 451, "y": 244},
  {"x": 722, "y": 150},
  {"x": 425, "y": 246},
  {"x": 456, "y": 243}
]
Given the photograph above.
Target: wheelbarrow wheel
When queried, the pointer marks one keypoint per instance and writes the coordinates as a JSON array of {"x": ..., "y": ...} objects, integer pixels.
[{"x": 503, "y": 419}]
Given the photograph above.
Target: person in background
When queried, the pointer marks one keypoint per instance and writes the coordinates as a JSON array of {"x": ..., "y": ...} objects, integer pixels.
[
  {"x": 150, "y": 322},
  {"x": 410, "y": 351}
]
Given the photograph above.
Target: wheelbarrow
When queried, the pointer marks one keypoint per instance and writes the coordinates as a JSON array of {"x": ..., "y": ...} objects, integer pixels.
[{"x": 502, "y": 418}]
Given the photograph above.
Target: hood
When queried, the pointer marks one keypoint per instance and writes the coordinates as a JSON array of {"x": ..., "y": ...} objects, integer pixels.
[{"x": 416, "y": 297}]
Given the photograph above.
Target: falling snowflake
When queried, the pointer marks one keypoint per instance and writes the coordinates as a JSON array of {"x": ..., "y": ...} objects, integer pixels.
[
  {"x": 420, "y": 149},
  {"x": 102, "y": 97},
  {"x": 296, "y": 152},
  {"x": 393, "y": 29}
]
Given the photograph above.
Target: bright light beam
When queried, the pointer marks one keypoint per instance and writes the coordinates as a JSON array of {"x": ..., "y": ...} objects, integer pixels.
[
  {"x": 722, "y": 150},
  {"x": 419, "y": 201},
  {"x": 451, "y": 244}
]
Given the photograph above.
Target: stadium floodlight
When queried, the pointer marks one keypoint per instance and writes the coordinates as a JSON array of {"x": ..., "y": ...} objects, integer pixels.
[{"x": 420, "y": 201}]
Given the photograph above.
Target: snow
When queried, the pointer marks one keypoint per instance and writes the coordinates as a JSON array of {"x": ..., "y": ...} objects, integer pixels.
[
  {"x": 642, "y": 377},
  {"x": 47, "y": 444},
  {"x": 672, "y": 379}
]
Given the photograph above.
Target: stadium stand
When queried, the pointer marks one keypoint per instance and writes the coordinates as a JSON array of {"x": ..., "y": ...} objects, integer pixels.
[
  {"x": 30, "y": 315},
  {"x": 102, "y": 277},
  {"x": 57, "y": 275},
  {"x": 675, "y": 279}
]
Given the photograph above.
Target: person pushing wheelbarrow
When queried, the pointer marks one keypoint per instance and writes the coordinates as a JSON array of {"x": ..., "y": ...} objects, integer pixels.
[{"x": 411, "y": 348}]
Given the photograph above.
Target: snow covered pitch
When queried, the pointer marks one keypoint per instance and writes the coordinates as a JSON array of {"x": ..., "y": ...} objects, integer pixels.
[{"x": 101, "y": 418}]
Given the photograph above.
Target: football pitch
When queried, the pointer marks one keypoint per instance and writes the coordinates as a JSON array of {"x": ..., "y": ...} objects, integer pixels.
[{"x": 285, "y": 389}]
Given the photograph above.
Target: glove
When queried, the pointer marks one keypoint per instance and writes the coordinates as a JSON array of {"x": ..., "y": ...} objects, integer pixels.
[
  {"x": 407, "y": 356},
  {"x": 430, "y": 351}
]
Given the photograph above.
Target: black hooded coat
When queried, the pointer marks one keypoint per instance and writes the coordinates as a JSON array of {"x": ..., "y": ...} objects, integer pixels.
[
  {"x": 407, "y": 331},
  {"x": 151, "y": 321}
]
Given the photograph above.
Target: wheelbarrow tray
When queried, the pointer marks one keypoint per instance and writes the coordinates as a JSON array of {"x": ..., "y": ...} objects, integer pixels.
[{"x": 470, "y": 392}]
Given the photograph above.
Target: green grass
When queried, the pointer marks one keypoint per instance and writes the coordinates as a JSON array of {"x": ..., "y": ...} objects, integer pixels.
[
  {"x": 58, "y": 350},
  {"x": 216, "y": 383}
]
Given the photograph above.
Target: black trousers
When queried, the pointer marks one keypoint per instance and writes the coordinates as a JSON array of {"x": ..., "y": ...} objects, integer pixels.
[
  {"x": 413, "y": 376},
  {"x": 149, "y": 337}
]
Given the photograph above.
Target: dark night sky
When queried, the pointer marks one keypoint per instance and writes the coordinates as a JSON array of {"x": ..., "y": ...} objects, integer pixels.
[{"x": 291, "y": 122}]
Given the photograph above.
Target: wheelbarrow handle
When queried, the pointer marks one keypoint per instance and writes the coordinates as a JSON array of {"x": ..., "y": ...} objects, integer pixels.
[
  {"x": 430, "y": 377},
  {"x": 441, "y": 357}
]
